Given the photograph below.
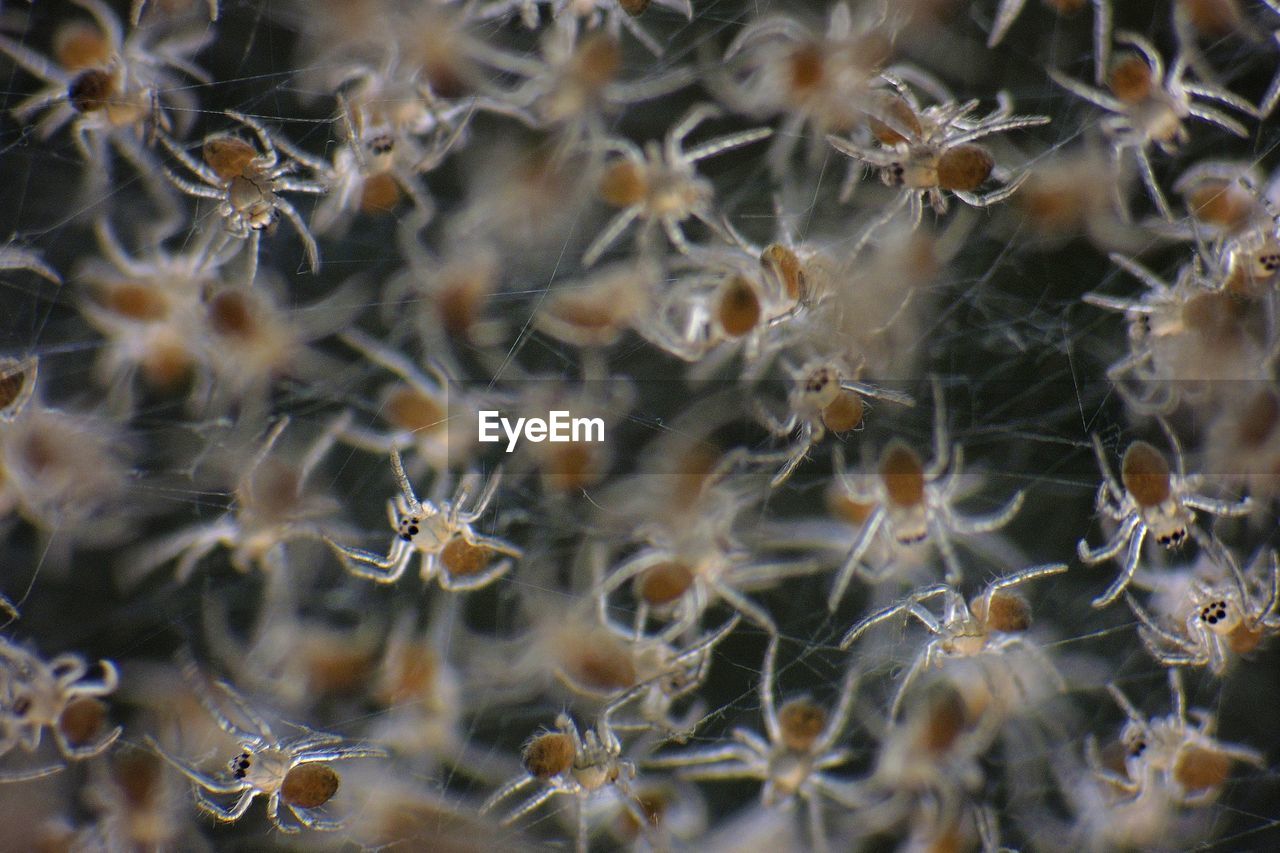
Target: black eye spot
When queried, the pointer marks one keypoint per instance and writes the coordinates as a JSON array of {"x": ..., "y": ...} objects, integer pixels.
[
  {"x": 413, "y": 530},
  {"x": 21, "y": 706}
]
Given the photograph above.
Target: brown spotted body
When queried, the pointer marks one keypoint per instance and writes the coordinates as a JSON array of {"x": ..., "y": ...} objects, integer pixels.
[
  {"x": 902, "y": 474},
  {"x": 801, "y": 723},
  {"x": 665, "y": 583},
  {"x": 549, "y": 755},
  {"x": 1146, "y": 475},
  {"x": 1131, "y": 79},
  {"x": 1004, "y": 611},
  {"x": 738, "y": 308},
  {"x": 309, "y": 786},
  {"x": 460, "y": 558},
  {"x": 964, "y": 168}
]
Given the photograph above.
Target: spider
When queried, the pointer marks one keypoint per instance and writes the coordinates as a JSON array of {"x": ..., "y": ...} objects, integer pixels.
[
  {"x": 1168, "y": 753},
  {"x": 659, "y": 184},
  {"x": 1149, "y": 107},
  {"x": 293, "y": 771},
  {"x": 149, "y": 308},
  {"x": 393, "y": 128},
  {"x": 1219, "y": 617},
  {"x": 273, "y": 505},
  {"x": 667, "y": 672},
  {"x": 911, "y": 504},
  {"x": 416, "y": 409},
  {"x": 928, "y": 151},
  {"x": 820, "y": 78},
  {"x": 566, "y": 762},
  {"x": 993, "y": 622},
  {"x": 246, "y": 184},
  {"x": 745, "y": 298},
  {"x": 690, "y": 562},
  {"x": 1185, "y": 339},
  {"x": 927, "y": 777},
  {"x": 825, "y": 396},
  {"x": 110, "y": 87},
  {"x": 731, "y": 303},
  {"x": 793, "y": 761},
  {"x": 1148, "y": 498},
  {"x": 575, "y": 84},
  {"x": 441, "y": 532},
  {"x": 58, "y": 695}
]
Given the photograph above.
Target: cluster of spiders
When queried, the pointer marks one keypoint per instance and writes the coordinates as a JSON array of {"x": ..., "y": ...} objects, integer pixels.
[{"x": 892, "y": 483}]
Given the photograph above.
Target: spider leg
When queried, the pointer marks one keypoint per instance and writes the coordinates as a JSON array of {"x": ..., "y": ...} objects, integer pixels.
[
  {"x": 72, "y": 752},
  {"x": 221, "y": 813},
  {"x": 1006, "y": 14},
  {"x": 1122, "y": 537},
  {"x": 610, "y": 235},
  {"x": 866, "y": 535},
  {"x": 1131, "y": 558},
  {"x": 517, "y": 784},
  {"x": 204, "y": 780},
  {"x": 530, "y": 804},
  {"x": 389, "y": 569},
  {"x": 311, "y": 820},
  {"x": 1214, "y": 506},
  {"x": 910, "y": 606},
  {"x": 304, "y": 233},
  {"x": 745, "y": 606}
]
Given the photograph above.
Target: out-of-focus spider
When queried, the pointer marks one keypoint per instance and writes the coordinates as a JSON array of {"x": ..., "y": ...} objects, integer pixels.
[
  {"x": 441, "y": 532},
  {"x": 660, "y": 185},
  {"x": 272, "y": 506},
  {"x": 793, "y": 761},
  {"x": 111, "y": 86},
  {"x": 1008, "y": 12},
  {"x": 825, "y": 396},
  {"x": 820, "y": 79},
  {"x": 929, "y": 151},
  {"x": 1149, "y": 107},
  {"x": 1216, "y": 618},
  {"x": 927, "y": 778},
  {"x": 612, "y": 15},
  {"x": 57, "y": 695},
  {"x": 416, "y": 410},
  {"x": 912, "y": 504},
  {"x": 566, "y": 762},
  {"x": 1168, "y": 753},
  {"x": 687, "y": 565},
  {"x": 994, "y": 622},
  {"x": 393, "y": 128},
  {"x": 295, "y": 771},
  {"x": 1148, "y": 498},
  {"x": 246, "y": 184},
  {"x": 576, "y": 83},
  {"x": 150, "y": 309},
  {"x": 730, "y": 303},
  {"x": 1188, "y": 338},
  {"x": 667, "y": 674},
  {"x": 136, "y": 8}
]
